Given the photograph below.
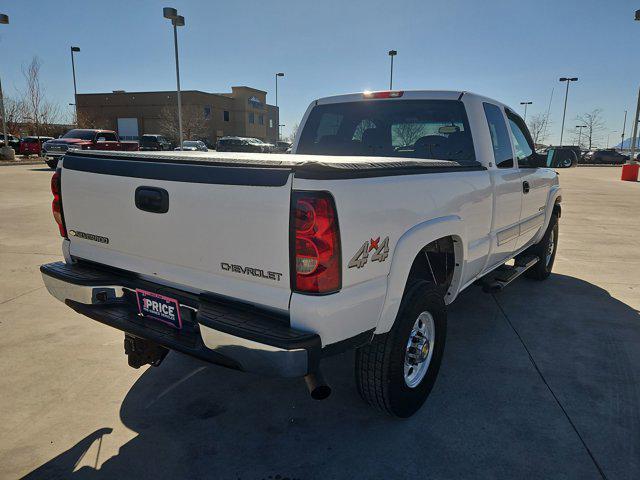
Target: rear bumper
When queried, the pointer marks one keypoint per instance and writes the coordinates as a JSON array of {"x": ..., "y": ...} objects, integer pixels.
[{"x": 227, "y": 333}]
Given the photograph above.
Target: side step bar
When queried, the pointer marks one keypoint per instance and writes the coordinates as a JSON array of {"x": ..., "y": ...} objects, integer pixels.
[{"x": 504, "y": 275}]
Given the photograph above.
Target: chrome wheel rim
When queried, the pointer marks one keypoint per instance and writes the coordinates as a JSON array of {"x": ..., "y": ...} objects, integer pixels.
[
  {"x": 550, "y": 246},
  {"x": 419, "y": 349}
]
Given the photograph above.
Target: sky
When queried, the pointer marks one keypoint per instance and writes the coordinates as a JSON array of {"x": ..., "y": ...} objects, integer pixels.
[{"x": 509, "y": 50}]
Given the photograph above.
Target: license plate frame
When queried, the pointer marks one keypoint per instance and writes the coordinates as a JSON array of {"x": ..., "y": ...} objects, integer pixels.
[{"x": 159, "y": 307}]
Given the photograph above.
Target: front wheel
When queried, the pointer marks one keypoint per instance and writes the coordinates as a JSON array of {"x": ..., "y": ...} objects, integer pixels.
[
  {"x": 545, "y": 250},
  {"x": 397, "y": 370}
]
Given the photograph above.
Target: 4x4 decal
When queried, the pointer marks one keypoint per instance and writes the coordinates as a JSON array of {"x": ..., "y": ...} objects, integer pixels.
[{"x": 361, "y": 257}]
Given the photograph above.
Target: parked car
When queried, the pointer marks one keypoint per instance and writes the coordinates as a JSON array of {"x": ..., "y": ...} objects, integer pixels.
[
  {"x": 268, "y": 265},
  {"x": 83, "y": 139},
  {"x": 154, "y": 142},
  {"x": 241, "y": 144},
  {"x": 32, "y": 145},
  {"x": 607, "y": 156},
  {"x": 193, "y": 146},
  {"x": 282, "y": 147},
  {"x": 12, "y": 140}
]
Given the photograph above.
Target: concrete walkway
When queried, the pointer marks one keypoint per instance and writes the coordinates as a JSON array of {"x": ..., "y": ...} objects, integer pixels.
[{"x": 540, "y": 381}]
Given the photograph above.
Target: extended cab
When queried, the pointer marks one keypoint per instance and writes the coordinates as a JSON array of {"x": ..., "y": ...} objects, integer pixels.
[
  {"x": 391, "y": 205},
  {"x": 83, "y": 139}
]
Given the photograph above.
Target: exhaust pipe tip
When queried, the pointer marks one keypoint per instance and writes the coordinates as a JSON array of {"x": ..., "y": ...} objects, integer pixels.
[{"x": 318, "y": 388}]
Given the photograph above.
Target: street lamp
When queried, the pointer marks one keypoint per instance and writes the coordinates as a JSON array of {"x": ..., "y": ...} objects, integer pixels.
[
  {"x": 566, "y": 95},
  {"x": 392, "y": 53},
  {"x": 6, "y": 151},
  {"x": 580, "y": 127},
  {"x": 525, "y": 109},
  {"x": 279, "y": 74},
  {"x": 177, "y": 21},
  {"x": 75, "y": 89}
]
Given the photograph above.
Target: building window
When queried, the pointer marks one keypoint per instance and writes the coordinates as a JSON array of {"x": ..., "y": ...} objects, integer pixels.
[
  {"x": 261, "y": 119},
  {"x": 271, "y": 123},
  {"x": 252, "y": 118},
  {"x": 207, "y": 112},
  {"x": 225, "y": 116}
]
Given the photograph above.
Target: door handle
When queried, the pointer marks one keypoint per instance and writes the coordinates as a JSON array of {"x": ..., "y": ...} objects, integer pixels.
[
  {"x": 152, "y": 199},
  {"x": 525, "y": 187}
]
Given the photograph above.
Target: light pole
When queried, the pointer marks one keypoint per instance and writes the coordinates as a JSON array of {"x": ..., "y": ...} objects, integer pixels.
[
  {"x": 75, "y": 88},
  {"x": 624, "y": 126},
  {"x": 525, "y": 109},
  {"x": 566, "y": 95},
  {"x": 580, "y": 127},
  {"x": 279, "y": 74},
  {"x": 176, "y": 21},
  {"x": 608, "y": 134},
  {"x": 6, "y": 151},
  {"x": 392, "y": 53}
]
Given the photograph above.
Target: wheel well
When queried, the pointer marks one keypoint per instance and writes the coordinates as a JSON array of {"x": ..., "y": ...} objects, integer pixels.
[
  {"x": 435, "y": 263},
  {"x": 557, "y": 209}
]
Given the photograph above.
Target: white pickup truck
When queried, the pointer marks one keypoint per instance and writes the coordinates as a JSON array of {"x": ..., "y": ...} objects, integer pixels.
[{"x": 392, "y": 203}]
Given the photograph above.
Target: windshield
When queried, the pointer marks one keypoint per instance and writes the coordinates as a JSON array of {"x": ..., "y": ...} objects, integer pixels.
[
  {"x": 149, "y": 139},
  {"x": 189, "y": 143},
  {"x": 430, "y": 129},
  {"x": 81, "y": 134}
]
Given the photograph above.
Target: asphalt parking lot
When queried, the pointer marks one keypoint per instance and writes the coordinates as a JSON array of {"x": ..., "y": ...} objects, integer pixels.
[{"x": 540, "y": 381}]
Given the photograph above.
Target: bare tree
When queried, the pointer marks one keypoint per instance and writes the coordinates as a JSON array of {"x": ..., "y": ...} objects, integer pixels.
[
  {"x": 593, "y": 126},
  {"x": 15, "y": 113},
  {"x": 294, "y": 132},
  {"x": 194, "y": 123},
  {"x": 87, "y": 120},
  {"x": 39, "y": 113},
  {"x": 539, "y": 126},
  {"x": 408, "y": 133}
]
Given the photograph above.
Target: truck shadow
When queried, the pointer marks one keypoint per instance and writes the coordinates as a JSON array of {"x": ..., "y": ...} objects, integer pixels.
[{"x": 490, "y": 414}]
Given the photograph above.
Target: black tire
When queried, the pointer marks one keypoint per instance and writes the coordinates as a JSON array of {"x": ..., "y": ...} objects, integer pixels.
[
  {"x": 379, "y": 365},
  {"x": 542, "y": 269},
  {"x": 52, "y": 164}
]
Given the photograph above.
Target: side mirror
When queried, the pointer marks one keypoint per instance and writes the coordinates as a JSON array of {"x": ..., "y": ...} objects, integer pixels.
[{"x": 561, "y": 158}]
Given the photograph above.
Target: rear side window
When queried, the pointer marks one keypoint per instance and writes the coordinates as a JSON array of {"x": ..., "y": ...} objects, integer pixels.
[
  {"x": 502, "y": 153},
  {"x": 428, "y": 129}
]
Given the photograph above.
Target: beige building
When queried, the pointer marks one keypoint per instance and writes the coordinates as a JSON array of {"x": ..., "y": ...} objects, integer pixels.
[{"x": 206, "y": 116}]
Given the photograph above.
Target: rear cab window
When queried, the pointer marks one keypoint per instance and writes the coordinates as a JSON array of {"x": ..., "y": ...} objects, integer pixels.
[
  {"x": 502, "y": 152},
  {"x": 417, "y": 129}
]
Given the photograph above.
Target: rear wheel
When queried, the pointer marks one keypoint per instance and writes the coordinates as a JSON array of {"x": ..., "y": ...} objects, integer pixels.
[
  {"x": 545, "y": 250},
  {"x": 397, "y": 370}
]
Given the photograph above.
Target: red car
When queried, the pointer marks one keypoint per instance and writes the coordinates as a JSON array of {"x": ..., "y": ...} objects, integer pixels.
[
  {"x": 32, "y": 145},
  {"x": 83, "y": 139}
]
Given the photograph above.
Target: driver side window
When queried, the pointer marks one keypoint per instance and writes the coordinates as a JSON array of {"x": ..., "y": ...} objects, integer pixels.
[{"x": 521, "y": 144}]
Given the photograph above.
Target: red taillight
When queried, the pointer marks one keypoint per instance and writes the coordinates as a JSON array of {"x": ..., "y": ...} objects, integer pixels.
[
  {"x": 56, "y": 205},
  {"x": 315, "y": 250},
  {"x": 385, "y": 94}
]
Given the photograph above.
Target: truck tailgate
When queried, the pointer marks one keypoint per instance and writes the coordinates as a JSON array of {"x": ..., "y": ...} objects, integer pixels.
[{"x": 225, "y": 229}]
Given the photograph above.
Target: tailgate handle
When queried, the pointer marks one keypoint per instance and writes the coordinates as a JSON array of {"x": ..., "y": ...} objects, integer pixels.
[{"x": 152, "y": 199}]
